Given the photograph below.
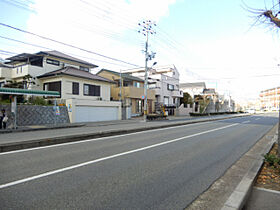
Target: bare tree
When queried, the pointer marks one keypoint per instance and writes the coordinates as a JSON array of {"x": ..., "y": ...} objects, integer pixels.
[
  {"x": 270, "y": 18},
  {"x": 266, "y": 16}
]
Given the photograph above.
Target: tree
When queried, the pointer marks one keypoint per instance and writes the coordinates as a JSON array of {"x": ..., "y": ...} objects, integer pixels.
[
  {"x": 26, "y": 82},
  {"x": 269, "y": 17},
  {"x": 187, "y": 99}
]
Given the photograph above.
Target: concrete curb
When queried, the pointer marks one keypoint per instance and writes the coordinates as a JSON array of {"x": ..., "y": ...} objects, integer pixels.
[
  {"x": 241, "y": 193},
  {"x": 26, "y": 129},
  {"x": 64, "y": 139}
]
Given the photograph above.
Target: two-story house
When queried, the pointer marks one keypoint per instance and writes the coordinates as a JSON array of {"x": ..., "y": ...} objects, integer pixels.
[
  {"x": 5, "y": 73},
  {"x": 165, "y": 81},
  {"x": 130, "y": 90},
  {"x": 194, "y": 89},
  {"x": 86, "y": 95}
]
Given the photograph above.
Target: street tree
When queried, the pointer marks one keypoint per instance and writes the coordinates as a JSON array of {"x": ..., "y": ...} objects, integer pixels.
[{"x": 268, "y": 16}]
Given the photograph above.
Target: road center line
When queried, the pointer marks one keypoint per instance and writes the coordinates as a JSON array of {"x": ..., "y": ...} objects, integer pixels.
[{"x": 107, "y": 158}]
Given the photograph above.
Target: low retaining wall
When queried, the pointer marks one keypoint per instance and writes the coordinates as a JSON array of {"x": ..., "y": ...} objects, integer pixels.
[
  {"x": 36, "y": 115},
  {"x": 185, "y": 111}
]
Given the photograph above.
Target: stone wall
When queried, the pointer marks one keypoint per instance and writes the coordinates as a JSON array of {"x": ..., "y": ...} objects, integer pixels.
[{"x": 36, "y": 115}]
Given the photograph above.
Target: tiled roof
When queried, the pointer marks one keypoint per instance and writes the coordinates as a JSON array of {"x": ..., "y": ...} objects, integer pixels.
[
  {"x": 71, "y": 71},
  {"x": 193, "y": 85},
  {"x": 209, "y": 91},
  {"x": 124, "y": 75},
  {"x": 3, "y": 65},
  {"x": 54, "y": 53},
  {"x": 64, "y": 56}
]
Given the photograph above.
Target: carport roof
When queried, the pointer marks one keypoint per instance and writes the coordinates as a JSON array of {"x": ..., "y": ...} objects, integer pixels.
[{"x": 17, "y": 91}]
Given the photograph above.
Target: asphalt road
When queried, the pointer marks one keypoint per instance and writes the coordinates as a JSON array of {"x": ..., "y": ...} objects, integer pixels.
[{"x": 157, "y": 169}]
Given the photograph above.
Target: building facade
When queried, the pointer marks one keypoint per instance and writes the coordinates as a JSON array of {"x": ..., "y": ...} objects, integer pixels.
[
  {"x": 129, "y": 90},
  {"x": 193, "y": 89},
  {"x": 86, "y": 95},
  {"x": 164, "y": 81},
  {"x": 270, "y": 99}
]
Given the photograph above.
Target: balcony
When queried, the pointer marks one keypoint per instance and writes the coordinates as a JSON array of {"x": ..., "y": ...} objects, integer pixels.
[{"x": 177, "y": 93}]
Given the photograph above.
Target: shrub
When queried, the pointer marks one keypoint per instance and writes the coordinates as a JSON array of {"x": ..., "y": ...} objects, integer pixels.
[
  {"x": 37, "y": 101},
  {"x": 271, "y": 159}
]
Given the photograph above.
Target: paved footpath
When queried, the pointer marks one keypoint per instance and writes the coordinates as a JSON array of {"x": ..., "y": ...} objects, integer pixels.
[{"x": 32, "y": 136}]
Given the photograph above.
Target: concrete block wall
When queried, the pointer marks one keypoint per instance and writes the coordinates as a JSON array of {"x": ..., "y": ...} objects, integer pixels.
[{"x": 36, "y": 115}]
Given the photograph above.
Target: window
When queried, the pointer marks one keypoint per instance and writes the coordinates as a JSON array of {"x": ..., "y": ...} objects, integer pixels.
[
  {"x": 152, "y": 85},
  {"x": 19, "y": 69},
  {"x": 53, "y": 86},
  {"x": 91, "y": 90},
  {"x": 36, "y": 61},
  {"x": 166, "y": 100},
  {"x": 127, "y": 83},
  {"x": 138, "y": 106},
  {"x": 84, "y": 68},
  {"x": 137, "y": 84},
  {"x": 75, "y": 88},
  {"x": 86, "y": 90},
  {"x": 52, "y": 62},
  {"x": 170, "y": 87}
]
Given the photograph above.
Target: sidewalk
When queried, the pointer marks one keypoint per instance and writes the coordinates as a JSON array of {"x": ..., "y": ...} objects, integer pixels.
[
  {"x": 262, "y": 199},
  {"x": 34, "y": 136}
]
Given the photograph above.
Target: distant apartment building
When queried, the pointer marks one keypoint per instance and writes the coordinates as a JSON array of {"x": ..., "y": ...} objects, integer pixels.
[{"x": 270, "y": 98}]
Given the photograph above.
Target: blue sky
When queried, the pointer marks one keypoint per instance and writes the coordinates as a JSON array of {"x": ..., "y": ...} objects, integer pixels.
[{"x": 207, "y": 41}]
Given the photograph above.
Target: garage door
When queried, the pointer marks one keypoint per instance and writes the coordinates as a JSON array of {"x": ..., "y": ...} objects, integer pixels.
[{"x": 93, "y": 114}]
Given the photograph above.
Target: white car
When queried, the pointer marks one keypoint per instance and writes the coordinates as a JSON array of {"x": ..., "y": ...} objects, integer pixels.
[{"x": 251, "y": 111}]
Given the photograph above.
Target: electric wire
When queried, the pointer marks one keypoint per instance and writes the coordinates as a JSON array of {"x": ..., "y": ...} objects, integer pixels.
[
  {"x": 65, "y": 44},
  {"x": 47, "y": 48}
]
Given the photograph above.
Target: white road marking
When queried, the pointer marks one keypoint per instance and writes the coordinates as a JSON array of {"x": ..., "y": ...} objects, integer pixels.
[
  {"x": 96, "y": 139},
  {"x": 107, "y": 158},
  {"x": 258, "y": 118},
  {"x": 246, "y": 121}
]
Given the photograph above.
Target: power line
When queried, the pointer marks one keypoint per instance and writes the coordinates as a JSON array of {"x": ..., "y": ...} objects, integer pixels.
[
  {"x": 34, "y": 45},
  {"x": 19, "y": 5},
  {"x": 39, "y": 46},
  {"x": 166, "y": 39},
  {"x": 68, "y": 45}
]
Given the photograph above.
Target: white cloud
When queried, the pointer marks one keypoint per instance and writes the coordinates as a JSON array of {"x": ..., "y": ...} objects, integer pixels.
[
  {"x": 106, "y": 27},
  {"x": 109, "y": 27}
]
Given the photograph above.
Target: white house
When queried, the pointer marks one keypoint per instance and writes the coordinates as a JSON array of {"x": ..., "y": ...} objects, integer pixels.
[
  {"x": 193, "y": 89},
  {"x": 86, "y": 95}
]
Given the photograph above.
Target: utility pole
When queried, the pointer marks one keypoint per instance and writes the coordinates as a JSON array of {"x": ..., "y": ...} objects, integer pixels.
[{"x": 146, "y": 30}]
